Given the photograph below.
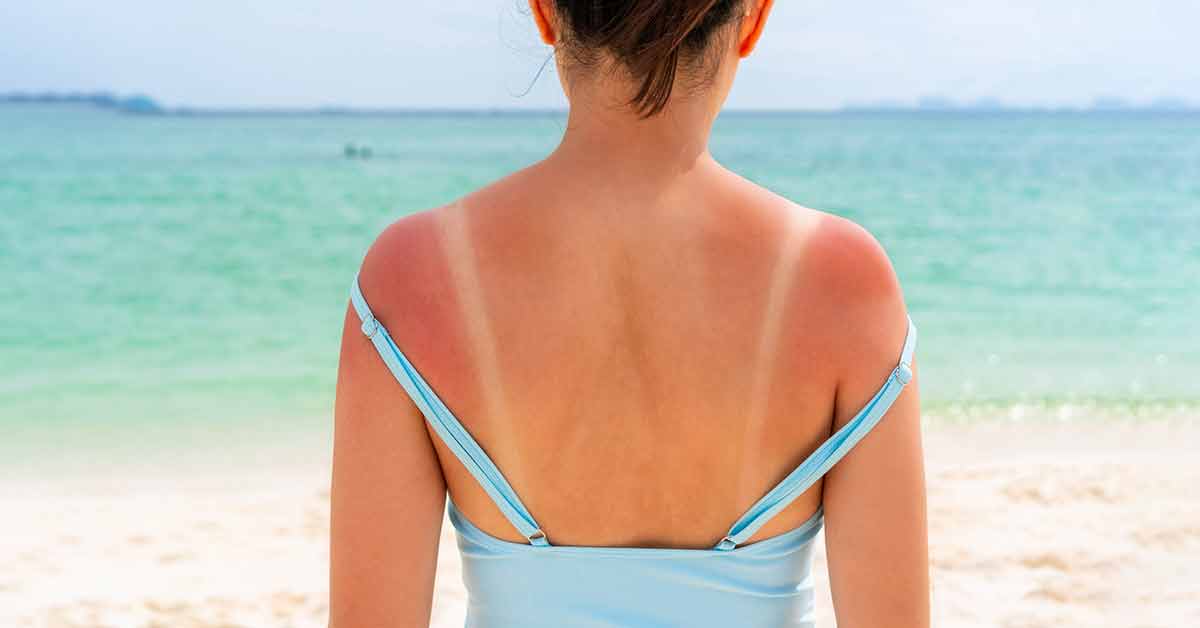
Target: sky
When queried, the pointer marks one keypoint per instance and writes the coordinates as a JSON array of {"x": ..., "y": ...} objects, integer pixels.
[{"x": 816, "y": 54}]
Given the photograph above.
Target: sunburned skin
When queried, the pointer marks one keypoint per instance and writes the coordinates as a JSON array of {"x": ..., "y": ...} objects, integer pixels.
[{"x": 644, "y": 343}]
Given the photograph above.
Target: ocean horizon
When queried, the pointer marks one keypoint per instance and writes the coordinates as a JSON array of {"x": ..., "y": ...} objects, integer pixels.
[{"x": 193, "y": 271}]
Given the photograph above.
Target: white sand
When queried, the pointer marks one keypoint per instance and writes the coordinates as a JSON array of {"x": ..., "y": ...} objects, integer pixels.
[{"x": 1040, "y": 524}]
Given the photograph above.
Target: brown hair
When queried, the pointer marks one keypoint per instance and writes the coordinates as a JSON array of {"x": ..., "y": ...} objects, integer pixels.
[{"x": 649, "y": 37}]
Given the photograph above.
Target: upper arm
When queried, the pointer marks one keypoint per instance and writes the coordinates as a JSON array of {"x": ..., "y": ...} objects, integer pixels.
[
  {"x": 874, "y": 498},
  {"x": 388, "y": 492}
]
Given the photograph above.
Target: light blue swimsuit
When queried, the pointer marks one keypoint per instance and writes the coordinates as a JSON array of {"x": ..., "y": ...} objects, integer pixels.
[{"x": 766, "y": 584}]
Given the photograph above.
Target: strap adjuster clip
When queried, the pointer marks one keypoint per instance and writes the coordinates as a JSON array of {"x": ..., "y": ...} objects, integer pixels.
[
  {"x": 903, "y": 373},
  {"x": 370, "y": 326}
]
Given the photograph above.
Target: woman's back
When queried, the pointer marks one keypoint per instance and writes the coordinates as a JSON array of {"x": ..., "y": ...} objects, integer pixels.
[
  {"x": 637, "y": 376},
  {"x": 671, "y": 363}
]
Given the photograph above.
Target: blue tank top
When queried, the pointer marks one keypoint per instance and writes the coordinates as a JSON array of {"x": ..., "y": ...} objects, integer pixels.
[{"x": 537, "y": 584}]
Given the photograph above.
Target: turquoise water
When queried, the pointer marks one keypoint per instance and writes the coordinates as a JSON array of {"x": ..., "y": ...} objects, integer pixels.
[{"x": 163, "y": 271}]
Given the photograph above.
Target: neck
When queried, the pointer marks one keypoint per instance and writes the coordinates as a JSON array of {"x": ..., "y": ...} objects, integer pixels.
[{"x": 613, "y": 143}]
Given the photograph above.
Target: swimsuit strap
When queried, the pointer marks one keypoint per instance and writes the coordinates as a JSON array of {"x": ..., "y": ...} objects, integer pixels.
[
  {"x": 825, "y": 456},
  {"x": 447, "y": 426}
]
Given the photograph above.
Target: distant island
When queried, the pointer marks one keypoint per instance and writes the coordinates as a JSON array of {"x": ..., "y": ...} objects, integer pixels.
[
  {"x": 137, "y": 103},
  {"x": 145, "y": 105},
  {"x": 989, "y": 105}
]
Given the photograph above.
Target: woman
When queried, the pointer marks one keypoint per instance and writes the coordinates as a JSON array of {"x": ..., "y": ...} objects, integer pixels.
[{"x": 633, "y": 372}]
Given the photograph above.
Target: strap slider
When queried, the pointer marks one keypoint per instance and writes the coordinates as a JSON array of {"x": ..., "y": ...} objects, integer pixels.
[
  {"x": 726, "y": 544},
  {"x": 537, "y": 537},
  {"x": 903, "y": 373},
  {"x": 370, "y": 326}
]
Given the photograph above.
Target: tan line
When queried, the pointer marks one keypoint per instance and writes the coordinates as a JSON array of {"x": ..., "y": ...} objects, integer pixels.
[
  {"x": 768, "y": 348},
  {"x": 481, "y": 340}
]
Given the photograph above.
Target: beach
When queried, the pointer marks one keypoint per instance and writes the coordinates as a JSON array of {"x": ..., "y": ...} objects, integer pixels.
[
  {"x": 188, "y": 192},
  {"x": 1033, "y": 523},
  {"x": 174, "y": 289}
]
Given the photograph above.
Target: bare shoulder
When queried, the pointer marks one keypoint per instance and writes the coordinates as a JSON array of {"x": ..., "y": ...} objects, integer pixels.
[
  {"x": 851, "y": 267},
  {"x": 842, "y": 266},
  {"x": 851, "y": 281},
  {"x": 401, "y": 257},
  {"x": 409, "y": 265},
  {"x": 839, "y": 256}
]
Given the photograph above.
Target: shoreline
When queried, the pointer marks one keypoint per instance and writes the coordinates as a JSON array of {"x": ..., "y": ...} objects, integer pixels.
[{"x": 77, "y": 450}]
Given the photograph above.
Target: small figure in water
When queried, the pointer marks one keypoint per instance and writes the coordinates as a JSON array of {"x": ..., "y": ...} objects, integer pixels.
[{"x": 353, "y": 151}]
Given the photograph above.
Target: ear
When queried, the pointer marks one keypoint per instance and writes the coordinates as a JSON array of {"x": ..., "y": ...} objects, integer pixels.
[
  {"x": 542, "y": 11},
  {"x": 752, "y": 25}
]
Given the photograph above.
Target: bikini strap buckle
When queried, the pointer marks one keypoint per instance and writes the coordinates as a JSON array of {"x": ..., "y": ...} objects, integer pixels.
[
  {"x": 903, "y": 373},
  {"x": 370, "y": 326}
]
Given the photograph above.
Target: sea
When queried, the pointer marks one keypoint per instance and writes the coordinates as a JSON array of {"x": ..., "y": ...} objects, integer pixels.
[{"x": 176, "y": 278}]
